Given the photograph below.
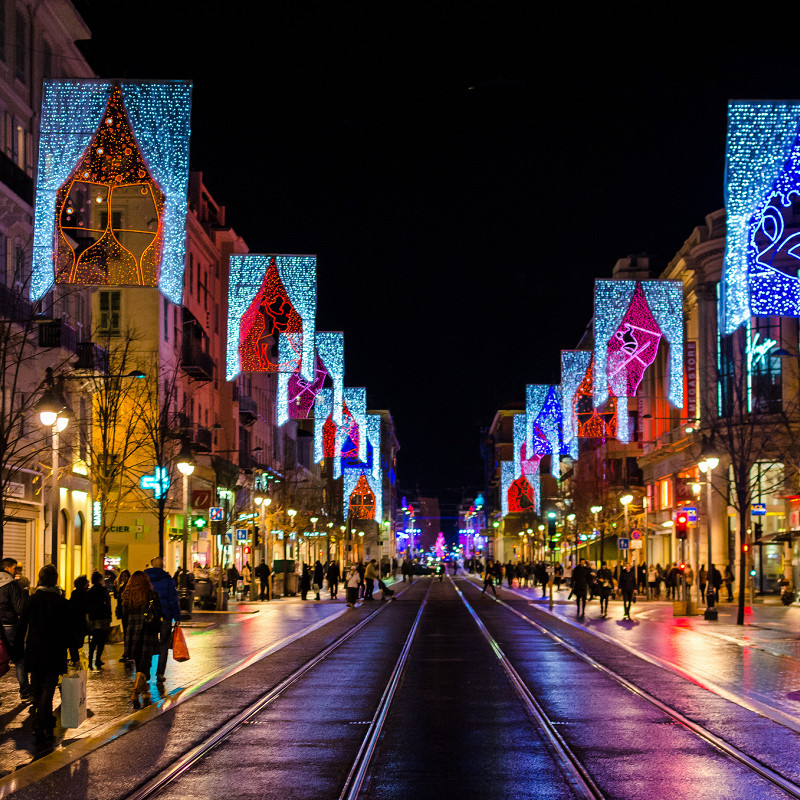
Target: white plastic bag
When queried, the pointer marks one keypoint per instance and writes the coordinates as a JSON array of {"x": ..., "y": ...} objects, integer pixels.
[{"x": 73, "y": 698}]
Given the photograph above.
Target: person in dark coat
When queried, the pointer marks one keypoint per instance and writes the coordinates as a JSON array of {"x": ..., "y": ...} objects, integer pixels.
[
  {"x": 119, "y": 588},
  {"x": 305, "y": 582},
  {"x": 604, "y": 584},
  {"x": 164, "y": 586},
  {"x": 79, "y": 611},
  {"x": 12, "y": 603},
  {"x": 319, "y": 577},
  {"x": 580, "y": 586},
  {"x": 98, "y": 601},
  {"x": 488, "y": 578},
  {"x": 143, "y": 610},
  {"x": 627, "y": 587},
  {"x": 332, "y": 577},
  {"x": 542, "y": 576},
  {"x": 48, "y": 622},
  {"x": 262, "y": 573},
  {"x": 714, "y": 583}
]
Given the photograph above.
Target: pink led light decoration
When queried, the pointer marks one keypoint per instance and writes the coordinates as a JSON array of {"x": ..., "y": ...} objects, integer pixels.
[
  {"x": 633, "y": 347},
  {"x": 302, "y": 393}
]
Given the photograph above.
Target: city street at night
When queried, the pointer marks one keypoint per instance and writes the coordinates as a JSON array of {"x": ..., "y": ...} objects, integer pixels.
[{"x": 443, "y": 672}]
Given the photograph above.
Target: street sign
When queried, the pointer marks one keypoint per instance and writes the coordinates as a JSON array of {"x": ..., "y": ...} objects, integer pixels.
[
  {"x": 691, "y": 513},
  {"x": 227, "y": 538},
  {"x": 636, "y": 544},
  {"x": 215, "y": 514},
  {"x": 758, "y": 509},
  {"x": 241, "y": 535},
  {"x": 636, "y": 535},
  {"x": 623, "y": 544}
]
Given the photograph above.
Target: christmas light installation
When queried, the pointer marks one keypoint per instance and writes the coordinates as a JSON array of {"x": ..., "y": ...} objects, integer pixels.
[
  {"x": 762, "y": 181},
  {"x": 574, "y": 366},
  {"x": 362, "y": 496},
  {"x": 325, "y": 427},
  {"x": 295, "y": 396},
  {"x": 630, "y": 317},
  {"x": 355, "y": 407},
  {"x": 544, "y": 421},
  {"x": 270, "y": 295},
  {"x": 111, "y": 185},
  {"x": 524, "y": 465},
  {"x": 330, "y": 348},
  {"x": 506, "y": 479},
  {"x": 581, "y": 419}
]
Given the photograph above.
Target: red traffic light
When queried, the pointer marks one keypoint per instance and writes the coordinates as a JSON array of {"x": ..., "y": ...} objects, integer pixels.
[
  {"x": 682, "y": 567},
  {"x": 682, "y": 525},
  {"x": 247, "y": 550}
]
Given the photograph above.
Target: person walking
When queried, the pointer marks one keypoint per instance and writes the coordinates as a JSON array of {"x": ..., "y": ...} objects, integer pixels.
[
  {"x": 652, "y": 582},
  {"x": 262, "y": 573},
  {"x": 605, "y": 583},
  {"x": 673, "y": 578},
  {"x": 164, "y": 587},
  {"x": 627, "y": 587},
  {"x": 580, "y": 586},
  {"x": 332, "y": 576},
  {"x": 232, "y": 575},
  {"x": 488, "y": 577},
  {"x": 558, "y": 575},
  {"x": 702, "y": 577},
  {"x": 12, "y": 603},
  {"x": 247, "y": 578},
  {"x": 319, "y": 577},
  {"x": 728, "y": 582},
  {"x": 688, "y": 579},
  {"x": 404, "y": 569},
  {"x": 353, "y": 581},
  {"x": 79, "y": 612},
  {"x": 305, "y": 582},
  {"x": 715, "y": 582},
  {"x": 370, "y": 575},
  {"x": 47, "y": 623},
  {"x": 144, "y": 614},
  {"x": 542, "y": 576},
  {"x": 119, "y": 588},
  {"x": 98, "y": 600}
]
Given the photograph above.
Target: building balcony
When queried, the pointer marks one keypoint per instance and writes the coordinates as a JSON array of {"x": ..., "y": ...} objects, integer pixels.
[
  {"x": 91, "y": 358},
  {"x": 201, "y": 439},
  {"x": 248, "y": 410},
  {"x": 56, "y": 333},
  {"x": 197, "y": 364}
]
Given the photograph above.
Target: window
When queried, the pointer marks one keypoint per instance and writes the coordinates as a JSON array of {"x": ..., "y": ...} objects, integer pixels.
[
  {"x": 764, "y": 386},
  {"x": 664, "y": 491},
  {"x": 166, "y": 320},
  {"x": 47, "y": 60},
  {"x": 21, "y": 47},
  {"x": 110, "y": 316}
]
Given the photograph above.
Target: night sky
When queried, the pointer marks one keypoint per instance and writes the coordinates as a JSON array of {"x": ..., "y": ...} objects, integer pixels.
[{"x": 462, "y": 179}]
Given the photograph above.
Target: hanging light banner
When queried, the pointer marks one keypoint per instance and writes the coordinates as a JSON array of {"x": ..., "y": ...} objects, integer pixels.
[
  {"x": 762, "y": 182},
  {"x": 630, "y": 317},
  {"x": 581, "y": 419},
  {"x": 270, "y": 295},
  {"x": 111, "y": 185}
]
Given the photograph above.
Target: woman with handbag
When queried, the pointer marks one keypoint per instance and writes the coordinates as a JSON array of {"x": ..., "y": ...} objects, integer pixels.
[
  {"x": 143, "y": 612},
  {"x": 98, "y": 603}
]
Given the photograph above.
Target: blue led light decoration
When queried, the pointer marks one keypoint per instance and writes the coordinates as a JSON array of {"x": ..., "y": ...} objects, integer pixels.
[
  {"x": 574, "y": 364},
  {"x": 762, "y": 177},
  {"x": 351, "y": 480},
  {"x": 151, "y": 126},
  {"x": 506, "y": 479},
  {"x": 543, "y": 425},
  {"x": 356, "y": 401},
  {"x": 323, "y": 410},
  {"x": 270, "y": 295},
  {"x": 630, "y": 317}
]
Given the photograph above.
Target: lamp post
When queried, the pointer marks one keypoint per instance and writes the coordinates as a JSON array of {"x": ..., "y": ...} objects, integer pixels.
[
  {"x": 596, "y": 510},
  {"x": 54, "y": 413},
  {"x": 186, "y": 465},
  {"x": 626, "y": 500},
  {"x": 313, "y": 521},
  {"x": 262, "y": 503},
  {"x": 707, "y": 464},
  {"x": 292, "y": 513}
]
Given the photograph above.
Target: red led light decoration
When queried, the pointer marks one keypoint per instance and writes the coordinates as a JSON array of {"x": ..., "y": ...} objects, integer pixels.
[
  {"x": 270, "y": 314},
  {"x": 521, "y": 496},
  {"x": 362, "y": 500},
  {"x": 593, "y": 424},
  {"x": 329, "y": 431},
  {"x": 109, "y": 211}
]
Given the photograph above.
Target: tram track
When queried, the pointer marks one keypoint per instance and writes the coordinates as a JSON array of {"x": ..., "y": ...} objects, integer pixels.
[
  {"x": 570, "y": 762},
  {"x": 179, "y": 767}
]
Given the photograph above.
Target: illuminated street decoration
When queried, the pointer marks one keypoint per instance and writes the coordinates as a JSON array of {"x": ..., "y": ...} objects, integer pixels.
[
  {"x": 295, "y": 396},
  {"x": 762, "y": 178},
  {"x": 630, "y": 318},
  {"x": 574, "y": 366},
  {"x": 111, "y": 185},
  {"x": 330, "y": 349},
  {"x": 363, "y": 497},
  {"x": 355, "y": 405},
  {"x": 506, "y": 479},
  {"x": 544, "y": 423},
  {"x": 594, "y": 424},
  {"x": 373, "y": 435},
  {"x": 158, "y": 483},
  {"x": 270, "y": 295}
]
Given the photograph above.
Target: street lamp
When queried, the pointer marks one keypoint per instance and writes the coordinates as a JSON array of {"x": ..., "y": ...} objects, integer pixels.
[
  {"x": 263, "y": 504},
  {"x": 54, "y": 413},
  {"x": 709, "y": 461},
  {"x": 596, "y": 510},
  {"x": 186, "y": 465},
  {"x": 626, "y": 500}
]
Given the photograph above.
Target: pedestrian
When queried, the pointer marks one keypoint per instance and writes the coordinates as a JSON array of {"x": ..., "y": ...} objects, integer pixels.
[
  {"x": 404, "y": 569},
  {"x": 332, "y": 576},
  {"x": 119, "y": 588},
  {"x": 232, "y": 574},
  {"x": 305, "y": 582},
  {"x": 247, "y": 578},
  {"x": 673, "y": 578},
  {"x": 143, "y": 610},
  {"x": 488, "y": 578},
  {"x": 98, "y": 600},
  {"x": 510, "y": 572},
  {"x": 47, "y": 622},
  {"x": 361, "y": 585},
  {"x": 319, "y": 576},
  {"x": 262, "y": 573},
  {"x": 660, "y": 578},
  {"x": 728, "y": 582},
  {"x": 688, "y": 579},
  {"x": 79, "y": 612},
  {"x": 12, "y": 603},
  {"x": 353, "y": 581},
  {"x": 370, "y": 575},
  {"x": 580, "y": 586},
  {"x": 498, "y": 573},
  {"x": 605, "y": 583},
  {"x": 454, "y": 567},
  {"x": 702, "y": 576},
  {"x": 715, "y": 582},
  {"x": 170, "y": 609},
  {"x": 394, "y": 567},
  {"x": 627, "y": 587},
  {"x": 542, "y": 576},
  {"x": 558, "y": 575},
  {"x": 652, "y": 582}
]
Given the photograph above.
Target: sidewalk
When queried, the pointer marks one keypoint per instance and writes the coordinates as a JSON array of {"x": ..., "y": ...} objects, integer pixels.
[
  {"x": 756, "y": 664},
  {"x": 216, "y": 641}
]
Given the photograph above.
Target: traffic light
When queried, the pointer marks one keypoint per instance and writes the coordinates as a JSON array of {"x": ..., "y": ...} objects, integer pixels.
[
  {"x": 682, "y": 525},
  {"x": 551, "y": 525},
  {"x": 745, "y": 547},
  {"x": 757, "y": 531},
  {"x": 247, "y": 551},
  {"x": 753, "y": 572},
  {"x": 681, "y": 567}
]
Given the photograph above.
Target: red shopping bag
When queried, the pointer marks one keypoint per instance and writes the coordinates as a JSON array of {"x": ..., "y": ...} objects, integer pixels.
[{"x": 180, "y": 652}]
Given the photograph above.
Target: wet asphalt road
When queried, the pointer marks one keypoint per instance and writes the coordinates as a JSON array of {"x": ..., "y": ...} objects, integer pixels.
[{"x": 456, "y": 728}]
